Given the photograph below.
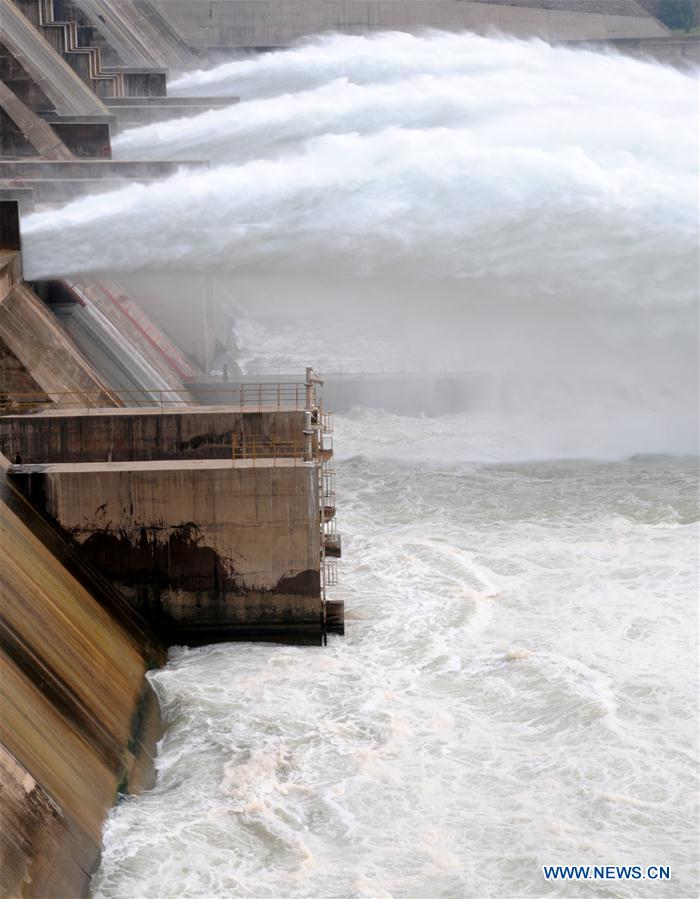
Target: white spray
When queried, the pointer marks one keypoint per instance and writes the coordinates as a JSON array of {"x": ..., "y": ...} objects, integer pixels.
[{"x": 515, "y": 206}]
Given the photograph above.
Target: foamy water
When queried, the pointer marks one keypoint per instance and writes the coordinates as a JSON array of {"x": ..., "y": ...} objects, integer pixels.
[{"x": 517, "y": 686}]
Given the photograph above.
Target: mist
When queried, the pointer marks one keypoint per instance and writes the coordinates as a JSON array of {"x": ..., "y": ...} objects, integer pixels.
[{"x": 432, "y": 202}]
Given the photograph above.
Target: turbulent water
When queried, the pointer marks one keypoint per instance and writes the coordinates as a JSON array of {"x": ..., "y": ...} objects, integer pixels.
[{"x": 517, "y": 686}]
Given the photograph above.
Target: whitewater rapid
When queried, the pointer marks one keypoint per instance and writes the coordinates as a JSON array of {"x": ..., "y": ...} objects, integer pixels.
[
  {"x": 518, "y": 682},
  {"x": 516, "y": 688}
]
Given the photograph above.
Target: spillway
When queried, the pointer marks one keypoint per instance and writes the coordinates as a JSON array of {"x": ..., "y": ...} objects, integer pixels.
[{"x": 516, "y": 687}]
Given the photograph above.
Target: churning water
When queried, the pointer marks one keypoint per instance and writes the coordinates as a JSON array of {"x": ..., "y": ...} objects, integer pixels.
[{"x": 517, "y": 686}]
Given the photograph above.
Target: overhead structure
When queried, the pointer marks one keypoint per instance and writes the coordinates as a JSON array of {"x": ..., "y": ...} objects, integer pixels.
[
  {"x": 35, "y": 131},
  {"x": 64, "y": 88},
  {"x": 136, "y": 34}
]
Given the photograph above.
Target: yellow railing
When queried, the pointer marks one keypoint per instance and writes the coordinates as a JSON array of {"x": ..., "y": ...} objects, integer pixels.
[{"x": 249, "y": 451}]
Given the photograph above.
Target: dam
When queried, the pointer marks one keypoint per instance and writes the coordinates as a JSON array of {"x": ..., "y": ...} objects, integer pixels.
[{"x": 219, "y": 221}]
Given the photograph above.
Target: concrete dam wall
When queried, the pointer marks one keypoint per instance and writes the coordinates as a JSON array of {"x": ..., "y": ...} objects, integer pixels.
[
  {"x": 207, "y": 519},
  {"x": 79, "y": 722},
  {"x": 211, "y": 25},
  {"x": 204, "y": 551},
  {"x": 144, "y": 435}
]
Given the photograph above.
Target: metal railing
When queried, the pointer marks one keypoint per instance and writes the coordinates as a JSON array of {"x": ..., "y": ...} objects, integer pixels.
[
  {"x": 285, "y": 395},
  {"x": 330, "y": 573},
  {"x": 327, "y": 488},
  {"x": 15, "y": 400},
  {"x": 330, "y": 529},
  {"x": 331, "y": 539},
  {"x": 246, "y": 397},
  {"x": 249, "y": 451}
]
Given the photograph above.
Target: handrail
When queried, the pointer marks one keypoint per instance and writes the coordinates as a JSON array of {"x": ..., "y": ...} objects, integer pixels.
[
  {"x": 265, "y": 447},
  {"x": 287, "y": 396},
  {"x": 330, "y": 573},
  {"x": 249, "y": 452}
]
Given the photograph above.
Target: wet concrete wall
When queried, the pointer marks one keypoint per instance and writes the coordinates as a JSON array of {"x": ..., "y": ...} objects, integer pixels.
[
  {"x": 79, "y": 722},
  {"x": 206, "y": 551},
  {"x": 145, "y": 435}
]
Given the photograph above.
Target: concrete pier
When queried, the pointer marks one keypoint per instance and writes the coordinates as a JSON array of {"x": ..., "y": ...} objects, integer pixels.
[
  {"x": 205, "y": 551},
  {"x": 208, "y": 519}
]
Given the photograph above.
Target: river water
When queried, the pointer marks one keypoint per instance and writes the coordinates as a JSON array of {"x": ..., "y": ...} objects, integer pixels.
[
  {"x": 516, "y": 688},
  {"x": 518, "y": 682}
]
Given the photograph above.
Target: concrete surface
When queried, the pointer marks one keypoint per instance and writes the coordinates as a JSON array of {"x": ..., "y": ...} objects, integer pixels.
[
  {"x": 60, "y": 83},
  {"x": 143, "y": 435},
  {"x": 36, "y": 339},
  {"x": 137, "y": 33},
  {"x": 78, "y": 719},
  {"x": 204, "y": 550},
  {"x": 218, "y": 25},
  {"x": 41, "y": 137}
]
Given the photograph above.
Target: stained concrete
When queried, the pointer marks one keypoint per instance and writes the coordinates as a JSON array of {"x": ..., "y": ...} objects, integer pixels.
[
  {"x": 144, "y": 435},
  {"x": 78, "y": 720},
  {"x": 205, "y": 551}
]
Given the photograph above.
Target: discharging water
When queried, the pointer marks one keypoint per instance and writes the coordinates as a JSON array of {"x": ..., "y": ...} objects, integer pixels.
[{"x": 517, "y": 686}]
